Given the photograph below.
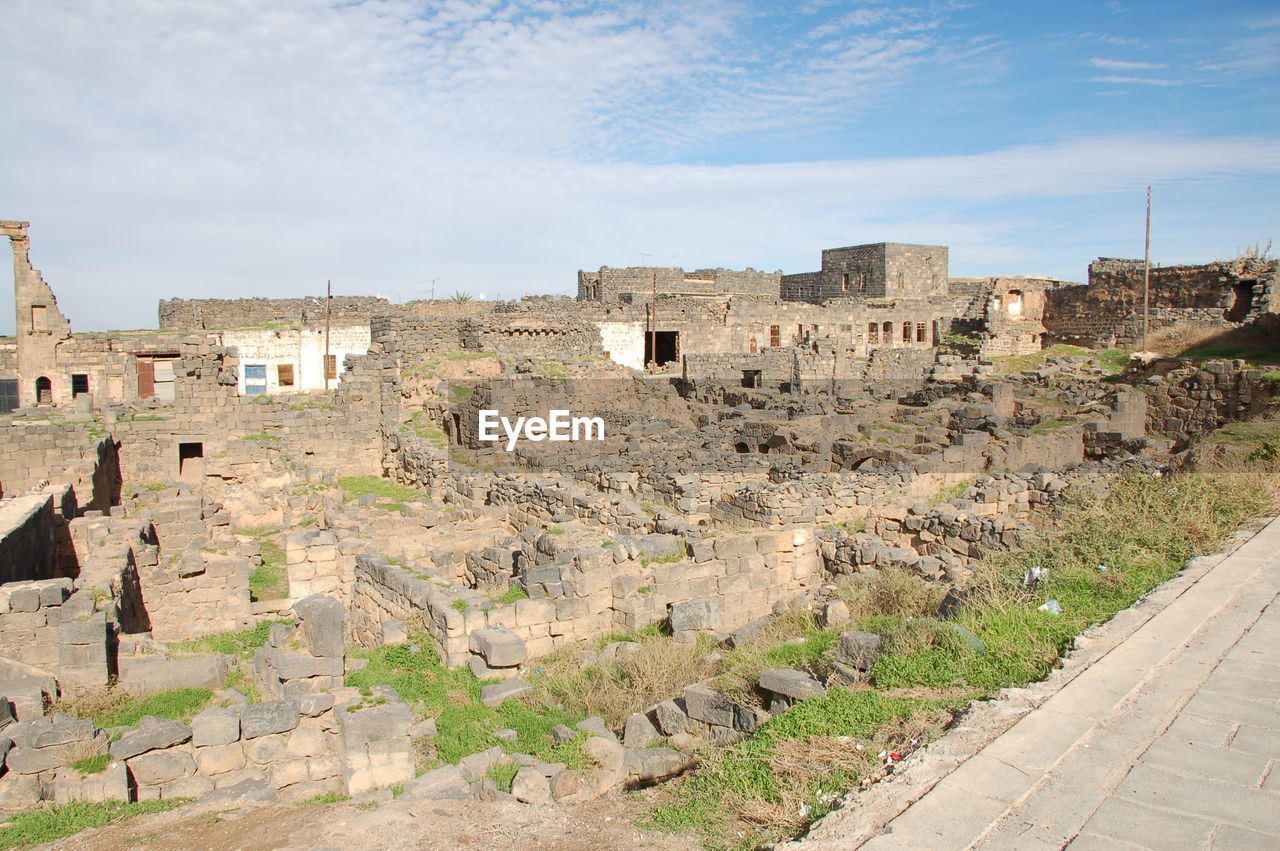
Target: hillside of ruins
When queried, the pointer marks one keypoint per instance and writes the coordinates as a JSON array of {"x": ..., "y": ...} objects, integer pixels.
[{"x": 278, "y": 551}]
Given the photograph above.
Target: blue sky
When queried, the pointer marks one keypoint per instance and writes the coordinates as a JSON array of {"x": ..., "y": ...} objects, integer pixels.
[{"x": 236, "y": 148}]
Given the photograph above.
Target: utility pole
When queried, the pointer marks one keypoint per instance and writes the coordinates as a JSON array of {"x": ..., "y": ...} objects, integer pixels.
[
  {"x": 328, "y": 311},
  {"x": 1146, "y": 277},
  {"x": 653, "y": 323},
  {"x": 433, "y": 288}
]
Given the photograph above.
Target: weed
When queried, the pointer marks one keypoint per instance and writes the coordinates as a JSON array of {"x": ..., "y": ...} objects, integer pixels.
[
  {"x": 93, "y": 764},
  {"x": 354, "y": 487},
  {"x": 326, "y": 798},
  {"x": 512, "y": 595},
  {"x": 262, "y": 436},
  {"x": 459, "y": 605},
  {"x": 58, "y": 820}
]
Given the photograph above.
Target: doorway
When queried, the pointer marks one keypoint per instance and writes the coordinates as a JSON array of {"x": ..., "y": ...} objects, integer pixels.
[{"x": 668, "y": 347}]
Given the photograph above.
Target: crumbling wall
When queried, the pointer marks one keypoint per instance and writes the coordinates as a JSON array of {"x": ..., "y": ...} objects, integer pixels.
[
  {"x": 1189, "y": 402},
  {"x": 1108, "y": 310}
]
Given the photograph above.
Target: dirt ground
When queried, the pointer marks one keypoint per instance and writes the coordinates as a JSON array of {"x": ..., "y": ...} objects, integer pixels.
[{"x": 599, "y": 826}]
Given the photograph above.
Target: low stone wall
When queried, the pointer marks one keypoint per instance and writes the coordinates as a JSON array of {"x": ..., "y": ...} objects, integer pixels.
[
  {"x": 1186, "y": 403},
  {"x": 317, "y": 564},
  {"x": 581, "y": 588},
  {"x": 29, "y": 616},
  {"x": 28, "y": 538}
]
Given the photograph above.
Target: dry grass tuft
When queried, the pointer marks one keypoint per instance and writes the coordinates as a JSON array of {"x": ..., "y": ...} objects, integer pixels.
[
  {"x": 93, "y": 703},
  {"x": 660, "y": 669},
  {"x": 890, "y": 591}
]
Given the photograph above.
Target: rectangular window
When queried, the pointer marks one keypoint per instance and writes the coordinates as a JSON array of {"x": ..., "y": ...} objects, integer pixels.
[
  {"x": 873, "y": 332},
  {"x": 79, "y": 384},
  {"x": 255, "y": 379},
  {"x": 922, "y": 332},
  {"x": 844, "y": 282},
  {"x": 284, "y": 374},
  {"x": 775, "y": 335},
  {"x": 906, "y": 332},
  {"x": 37, "y": 317},
  {"x": 330, "y": 367}
]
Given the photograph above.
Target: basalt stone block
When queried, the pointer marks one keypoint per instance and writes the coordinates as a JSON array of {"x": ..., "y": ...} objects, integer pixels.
[
  {"x": 152, "y": 734},
  {"x": 217, "y": 725},
  {"x": 494, "y": 695},
  {"x": 796, "y": 685},
  {"x": 263, "y": 719},
  {"x": 700, "y": 614},
  {"x": 500, "y": 647},
  {"x": 858, "y": 649},
  {"x": 322, "y": 619},
  {"x": 640, "y": 732},
  {"x": 705, "y": 704}
]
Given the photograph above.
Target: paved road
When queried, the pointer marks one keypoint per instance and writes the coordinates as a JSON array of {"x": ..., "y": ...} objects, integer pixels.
[{"x": 1169, "y": 741}]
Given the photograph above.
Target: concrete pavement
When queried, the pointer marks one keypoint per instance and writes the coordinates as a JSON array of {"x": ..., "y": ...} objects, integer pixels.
[{"x": 1169, "y": 740}]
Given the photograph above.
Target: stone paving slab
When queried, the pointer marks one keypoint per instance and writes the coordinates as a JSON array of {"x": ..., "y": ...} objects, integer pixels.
[{"x": 1169, "y": 740}]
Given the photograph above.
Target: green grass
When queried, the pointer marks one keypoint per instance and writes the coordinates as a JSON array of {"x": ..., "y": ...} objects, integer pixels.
[
  {"x": 459, "y": 605},
  {"x": 1245, "y": 353},
  {"x": 354, "y": 487},
  {"x": 326, "y": 798},
  {"x": 503, "y": 775},
  {"x": 179, "y": 704},
  {"x": 452, "y": 697},
  {"x": 269, "y": 580},
  {"x": 947, "y": 494},
  {"x": 513, "y": 594},
  {"x": 1112, "y": 360},
  {"x": 671, "y": 559},
  {"x": 744, "y": 776},
  {"x": 239, "y": 644},
  {"x": 60, "y": 820},
  {"x": 462, "y": 393},
  {"x": 1144, "y": 530},
  {"x": 1021, "y": 363},
  {"x": 263, "y": 436},
  {"x": 93, "y": 765}
]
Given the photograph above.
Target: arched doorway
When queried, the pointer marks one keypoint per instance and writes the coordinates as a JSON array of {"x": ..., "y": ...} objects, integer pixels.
[{"x": 44, "y": 391}]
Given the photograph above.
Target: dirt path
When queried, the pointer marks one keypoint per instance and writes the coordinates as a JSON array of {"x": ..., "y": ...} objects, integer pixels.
[{"x": 599, "y": 826}]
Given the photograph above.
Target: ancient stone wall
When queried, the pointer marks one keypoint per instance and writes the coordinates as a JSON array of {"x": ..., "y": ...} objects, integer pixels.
[
  {"x": 636, "y": 284},
  {"x": 1098, "y": 313},
  {"x": 217, "y": 313},
  {"x": 880, "y": 270},
  {"x": 1186, "y": 403}
]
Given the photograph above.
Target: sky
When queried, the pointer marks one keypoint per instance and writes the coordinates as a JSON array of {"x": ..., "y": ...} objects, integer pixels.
[{"x": 239, "y": 148}]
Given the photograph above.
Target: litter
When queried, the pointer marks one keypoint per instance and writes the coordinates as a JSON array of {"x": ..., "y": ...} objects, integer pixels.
[
  {"x": 1053, "y": 607},
  {"x": 1102, "y": 568},
  {"x": 1034, "y": 575}
]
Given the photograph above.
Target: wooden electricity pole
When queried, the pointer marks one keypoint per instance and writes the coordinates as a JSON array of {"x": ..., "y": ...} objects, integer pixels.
[
  {"x": 653, "y": 323},
  {"x": 328, "y": 310},
  {"x": 1146, "y": 277}
]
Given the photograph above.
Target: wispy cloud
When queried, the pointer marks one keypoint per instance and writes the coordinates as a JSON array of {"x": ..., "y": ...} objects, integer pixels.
[
  {"x": 1125, "y": 81},
  {"x": 1124, "y": 64},
  {"x": 262, "y": 146}
]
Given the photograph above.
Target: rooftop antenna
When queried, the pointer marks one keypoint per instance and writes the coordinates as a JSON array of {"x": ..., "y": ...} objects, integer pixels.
[{"x": 1146, "y": 277}]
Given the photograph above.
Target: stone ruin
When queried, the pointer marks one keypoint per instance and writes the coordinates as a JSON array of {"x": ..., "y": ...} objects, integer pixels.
[{"x": 808, "y": 428}]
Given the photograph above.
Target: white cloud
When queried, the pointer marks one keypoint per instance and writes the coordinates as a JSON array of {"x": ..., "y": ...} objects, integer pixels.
[
  {"x": 1124, "y": 64},
  {"x": 258, "y": 148},
  {"x": 1140, "y": 81}
]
